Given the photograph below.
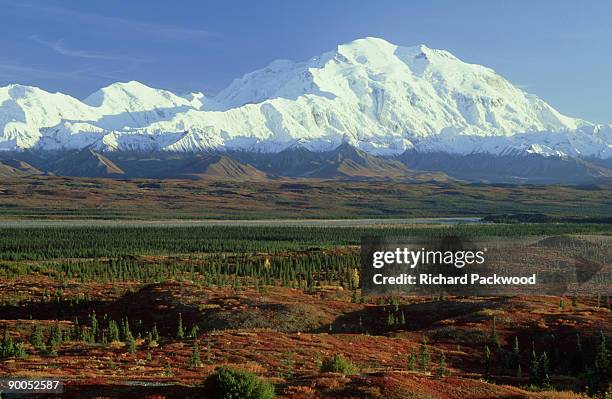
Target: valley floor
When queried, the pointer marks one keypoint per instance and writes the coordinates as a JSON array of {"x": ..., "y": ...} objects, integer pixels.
[{"x": 122, "y": 311}]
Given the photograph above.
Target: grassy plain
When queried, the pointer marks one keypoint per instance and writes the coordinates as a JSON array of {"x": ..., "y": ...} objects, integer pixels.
[{"x": 77, "y": 198}]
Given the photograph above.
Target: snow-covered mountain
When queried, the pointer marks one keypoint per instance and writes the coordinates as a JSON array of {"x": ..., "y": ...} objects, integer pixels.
[{"x": 379, "y": 97}]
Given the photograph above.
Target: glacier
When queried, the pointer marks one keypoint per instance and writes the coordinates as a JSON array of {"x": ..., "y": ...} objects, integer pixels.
[{"x": 379, "y": 97}]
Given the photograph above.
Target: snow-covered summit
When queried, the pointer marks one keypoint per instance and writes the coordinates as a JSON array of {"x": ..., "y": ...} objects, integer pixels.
[
  {"x": 380, "y": 97},
  {"x": 414, "y": 90},
  {"x": 133, "y": 96}
]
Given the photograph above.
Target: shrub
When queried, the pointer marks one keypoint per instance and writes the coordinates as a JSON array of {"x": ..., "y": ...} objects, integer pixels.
[
  {"x": 338, "y": 364},
  {"x": 229, "y": 383},
  {"x": 20, "y": 351}
]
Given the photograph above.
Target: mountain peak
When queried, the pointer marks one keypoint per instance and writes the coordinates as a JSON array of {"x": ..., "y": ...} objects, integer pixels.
[
  {"x": 18, "y": 86},
  {"x": 380, "y": 97},
  {"x": 368, "y": 41},
  {"x": 376, "y": 47},
  {"x": 366, "y": 49},
  {"x": 16, "y": 91},
  {"x": 131, "y": 88},
  {"x": 130, "y": 84}
]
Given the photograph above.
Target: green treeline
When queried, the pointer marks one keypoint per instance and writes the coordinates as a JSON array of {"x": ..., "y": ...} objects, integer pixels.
[{"x": 91, "y": 242}]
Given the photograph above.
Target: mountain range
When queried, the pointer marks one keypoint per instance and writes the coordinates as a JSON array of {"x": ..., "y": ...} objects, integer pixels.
[{"x": 366, "y": 109}]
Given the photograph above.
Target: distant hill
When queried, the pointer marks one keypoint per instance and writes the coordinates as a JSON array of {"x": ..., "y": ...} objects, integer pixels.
[
  {"x": 16, "y": 168},
  {"x": 87, "y": 163},
  {"x": 347, "y": 162},
  {"x": 343, "y": 163},
  {"x": 530, "y": 168},
  {"x": 222, "y": 167}
]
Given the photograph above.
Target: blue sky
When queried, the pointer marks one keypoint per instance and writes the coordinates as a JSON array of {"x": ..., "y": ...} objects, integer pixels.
[{"x": 559, "y": 50}]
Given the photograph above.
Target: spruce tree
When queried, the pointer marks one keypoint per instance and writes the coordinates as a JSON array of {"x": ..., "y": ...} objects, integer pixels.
[
  {"x": 288, "y": 363},
  {"x": 578, "y": 361},
  {"x": 602, "y": 366},
  {"x": 193, "y": 332},
  {"x": 93, "y": 323},
  {"x": 57, "y": 337},
  {"x": 441, "y": 369},
  {"x": 554, "y": 353},
  {"x": 155, "y": 333},
  {"x": 7, "y": 348},
  {"x": 130, "y": 342},
  {"x": 36, "y": 338},
  {"x": 149, "y": 340},
  {"x": 52, "y": 345},
  {"x": 113, "y": 331},
  {"x": 534, "y": 369},
  {"x": 195, "y": 355},
  {"x": 20, "y": 351},
  {"x": 516, "y": 353},
  {"x": 424, "y": 355},
  {"x": 494, "y": 336},
  {"x": 54, "y": 341},
  {"x": 544, "y": 370},
  {"x": 487, "y": 355},
  {"x": 85, "y": 335},
  {"x": 180, "y": 333},
  {"x": 411, "y": 364},
  {"x": 125, "y": 329}
]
